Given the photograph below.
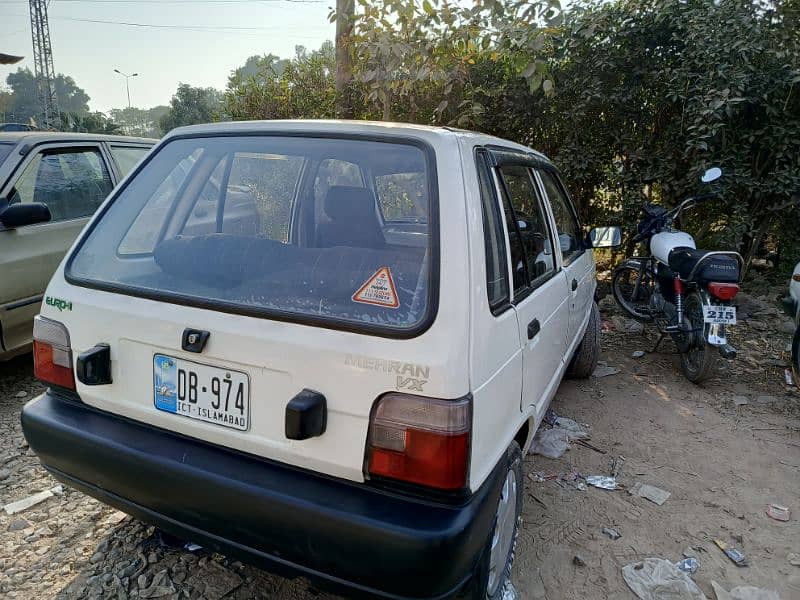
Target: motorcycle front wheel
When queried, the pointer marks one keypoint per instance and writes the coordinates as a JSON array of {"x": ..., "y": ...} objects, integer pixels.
[
  {"x": 700, "y": 358},
  {"x": 632, "y": 288}
]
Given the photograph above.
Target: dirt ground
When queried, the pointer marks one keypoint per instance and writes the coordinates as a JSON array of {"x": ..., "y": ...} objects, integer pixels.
[{"x": 721, "y": 462}]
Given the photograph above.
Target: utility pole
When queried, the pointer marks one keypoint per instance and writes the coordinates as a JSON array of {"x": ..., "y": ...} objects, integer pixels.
[
  {"x": 345, "y": 13},
  {"x": 127, "y": 83},
  {"x": 43, "y": 65}
]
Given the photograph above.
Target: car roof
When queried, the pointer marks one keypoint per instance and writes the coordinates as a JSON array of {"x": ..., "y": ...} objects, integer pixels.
[
  {"x": 312, "y": 126},
  {"x": 40, "y": 137}
]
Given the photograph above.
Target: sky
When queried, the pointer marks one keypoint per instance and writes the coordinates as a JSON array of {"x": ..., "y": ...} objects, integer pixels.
[{"x": 203, "y": 42}]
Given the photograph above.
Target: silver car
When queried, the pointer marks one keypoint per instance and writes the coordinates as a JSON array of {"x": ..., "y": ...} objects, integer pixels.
[{"x": 50, "y": 184}]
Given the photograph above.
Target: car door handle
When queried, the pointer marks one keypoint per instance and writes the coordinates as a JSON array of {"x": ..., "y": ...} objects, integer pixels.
[
  {"x": 574, "y": 284},
  {"x": 533, "y": 329}
]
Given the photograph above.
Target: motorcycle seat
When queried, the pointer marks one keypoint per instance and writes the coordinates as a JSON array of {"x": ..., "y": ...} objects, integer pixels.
[{"x": 722, "y": 269}]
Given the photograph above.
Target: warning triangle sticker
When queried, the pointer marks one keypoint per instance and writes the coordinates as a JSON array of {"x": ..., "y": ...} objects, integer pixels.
[{"x": 379, "y": 290}]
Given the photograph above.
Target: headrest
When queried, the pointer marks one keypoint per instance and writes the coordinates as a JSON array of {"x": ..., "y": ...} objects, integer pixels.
[{"x": 345, "y": 203}]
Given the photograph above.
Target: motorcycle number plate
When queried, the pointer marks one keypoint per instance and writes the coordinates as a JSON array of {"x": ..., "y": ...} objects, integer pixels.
[{"x": 719, "y": 315}]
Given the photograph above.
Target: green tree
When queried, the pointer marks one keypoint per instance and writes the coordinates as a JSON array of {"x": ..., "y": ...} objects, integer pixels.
[
  {"x": 633, "y": 99},
  {"x": 95, "y": 122},
  {"x": 256, "y": 66},
  {"x": 6, "y": 99},
  {"x": 142, "y": 122},
  {"x": 24, "y": 104},
  {"x": 650, "y": 93},
  {"x": 191, "y": 105},
  {"x": 302, "y": 88}
]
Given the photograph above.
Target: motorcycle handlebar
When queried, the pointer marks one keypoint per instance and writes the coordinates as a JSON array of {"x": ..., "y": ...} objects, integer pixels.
[{"x": 670, "y": 215}]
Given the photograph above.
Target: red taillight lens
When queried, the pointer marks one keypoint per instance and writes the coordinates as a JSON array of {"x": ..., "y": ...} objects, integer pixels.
[
  {"x": 420, "y": 440},
  {"x": 723, "y": 291},
  {"x": 52, "y": 357}
]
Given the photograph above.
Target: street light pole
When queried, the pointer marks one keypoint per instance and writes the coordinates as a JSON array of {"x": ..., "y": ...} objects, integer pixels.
[{"x": 127, "y": 83}]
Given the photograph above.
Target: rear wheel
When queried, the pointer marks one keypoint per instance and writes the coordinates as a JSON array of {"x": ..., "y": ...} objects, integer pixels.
[
  {"x": 493, "y": 572},
  {"x": 631, "y": 285},
  {"x": 584, "y": 361},
  {"x": 700, "y": 358}
]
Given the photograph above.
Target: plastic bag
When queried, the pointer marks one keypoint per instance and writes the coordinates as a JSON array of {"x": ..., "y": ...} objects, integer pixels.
[
  {"x": 656, "y": 579},
  {"x": 551, "y": 443},
  {"x": 743, "y": 592}
]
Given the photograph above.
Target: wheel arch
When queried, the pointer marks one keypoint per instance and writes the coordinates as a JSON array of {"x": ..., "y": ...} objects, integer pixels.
[{"x": 523, "y": 435}]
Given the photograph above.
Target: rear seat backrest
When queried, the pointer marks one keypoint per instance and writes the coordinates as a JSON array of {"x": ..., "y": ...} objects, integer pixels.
[{"x": 354, "y": 220}]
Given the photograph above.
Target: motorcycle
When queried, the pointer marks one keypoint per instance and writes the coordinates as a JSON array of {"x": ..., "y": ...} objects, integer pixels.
[{"x": 686, "y": 292}]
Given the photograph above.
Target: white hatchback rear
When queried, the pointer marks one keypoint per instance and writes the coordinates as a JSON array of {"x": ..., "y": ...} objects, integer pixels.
[{"x": 303, "y": 343}]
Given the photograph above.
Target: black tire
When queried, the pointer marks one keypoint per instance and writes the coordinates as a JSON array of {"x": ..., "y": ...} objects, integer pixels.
[
  {"x": 796, "y": 356},
  {"x": 584, "y": 361},
  {"x": 700, "y": 358},
  {"x": 479, "y": 588},
  {"x": 623, "y": 283}
]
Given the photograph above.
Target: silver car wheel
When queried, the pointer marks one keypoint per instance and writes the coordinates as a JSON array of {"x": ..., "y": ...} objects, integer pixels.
[{"x": 503, "y": 537}]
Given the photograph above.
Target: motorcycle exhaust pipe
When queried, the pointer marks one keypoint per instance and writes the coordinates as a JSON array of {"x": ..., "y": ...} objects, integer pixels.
[{"x": 728, "y": 351}]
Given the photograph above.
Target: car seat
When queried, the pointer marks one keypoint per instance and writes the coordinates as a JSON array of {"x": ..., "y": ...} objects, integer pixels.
[{"x": 353, "y": 219}]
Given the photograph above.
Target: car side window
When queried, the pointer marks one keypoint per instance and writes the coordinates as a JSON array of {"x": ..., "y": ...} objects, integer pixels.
[
  {"x": 494, "y": 242},
  {"x": 403, "y": 197},
  {"x": 128, "y": 157},
  {"x": 569, "y": 231},
  {"x": 257, "y": 193},
  {"x": 72, "y": 182},
  {"x": 529, "y": 222}
]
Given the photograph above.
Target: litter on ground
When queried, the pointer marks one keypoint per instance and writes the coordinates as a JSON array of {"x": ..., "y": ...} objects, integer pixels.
[
  {"x": 688, "y": 565},
  {"x": 604, "y": 370},
  {"x": 740, "y": 400},
  {"x": 743, "y": 592},
  {"x": 602, "y": 481},
  {"x": 739, "y": 559},
  {"x": 553, "y": 442},
  {"x": 13, "y": 508},
  {"x": 656, "y": 578},
  {"x": 612, "y": 533},
  {"x": 509, "y": 591},
  {"x": 778, "y": 512},
  {"x": 651, "y": 492}
]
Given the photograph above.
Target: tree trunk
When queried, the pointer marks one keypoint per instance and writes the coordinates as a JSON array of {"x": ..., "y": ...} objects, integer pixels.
[
  {"x": 345, "y": 12},
  {"x": 753, "y": 242}
]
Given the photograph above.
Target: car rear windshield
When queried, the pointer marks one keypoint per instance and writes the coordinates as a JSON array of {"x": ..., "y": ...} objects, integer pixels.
[{"x": 321, "y": 229}]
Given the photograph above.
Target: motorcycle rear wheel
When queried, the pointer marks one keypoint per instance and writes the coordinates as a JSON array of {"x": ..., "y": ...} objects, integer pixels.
[
  {"x": 624, "y": 287},
  {"x": 700, "y": 359}
]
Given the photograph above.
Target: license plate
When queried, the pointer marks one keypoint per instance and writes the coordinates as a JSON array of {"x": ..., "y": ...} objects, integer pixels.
[
  {"x": 720, "y": 315},
  {"x": 202, "y": 392}
]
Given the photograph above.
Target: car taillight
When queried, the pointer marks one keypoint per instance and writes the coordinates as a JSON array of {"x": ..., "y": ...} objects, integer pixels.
[
  {"x": 52, "y": 357},
  {"x": 723, "y": 291},
  {"x": 420, "y": 440}
]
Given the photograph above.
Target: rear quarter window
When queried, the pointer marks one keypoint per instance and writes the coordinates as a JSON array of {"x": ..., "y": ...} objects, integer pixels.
[
  {"x": 274, "y": 226},
  {"x": 128, "y": 157}
]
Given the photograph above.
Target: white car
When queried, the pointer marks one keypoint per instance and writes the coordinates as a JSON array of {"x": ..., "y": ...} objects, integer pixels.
[
  {"x": 345, "y": 393},
  {"x": 792, "y": 305}
]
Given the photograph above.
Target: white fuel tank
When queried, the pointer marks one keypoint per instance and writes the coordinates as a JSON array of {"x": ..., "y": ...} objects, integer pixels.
[{"x": 662, "y": 243}]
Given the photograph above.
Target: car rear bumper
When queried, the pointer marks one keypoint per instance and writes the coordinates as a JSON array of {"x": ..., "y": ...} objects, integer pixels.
[{"x": 339, "y": 534}]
